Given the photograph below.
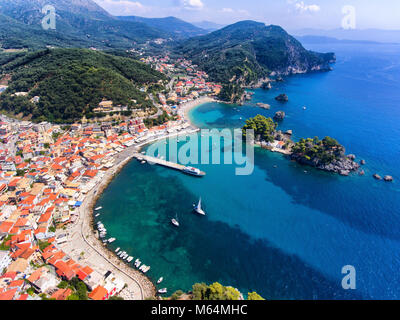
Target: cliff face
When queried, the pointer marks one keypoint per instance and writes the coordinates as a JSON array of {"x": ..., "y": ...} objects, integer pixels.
[{"x": 248, "y": 51}]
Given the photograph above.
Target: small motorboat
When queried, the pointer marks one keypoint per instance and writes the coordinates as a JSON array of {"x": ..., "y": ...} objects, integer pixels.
[
  {"x": 162, "y": 291},
  {"x": 175, "y": 221},
  {"x": 117, "y": 250},
  {"x": 160, "y": 280},
  {"x": 98, "y": 208}
]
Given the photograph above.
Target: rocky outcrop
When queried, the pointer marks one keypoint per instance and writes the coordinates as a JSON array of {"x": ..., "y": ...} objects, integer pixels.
[
  {"x": 279, "y": 116},
  {"x": 282, "y": 98},
  {"x": 266, "y": 86},
  {"x": 263, "y": 105},
  {"x": 343, "y": 166}
]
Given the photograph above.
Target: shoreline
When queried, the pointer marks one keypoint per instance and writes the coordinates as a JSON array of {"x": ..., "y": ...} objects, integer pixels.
[
  {"x": 188, "y": 106},
  {"x": 141, "y": 286}
]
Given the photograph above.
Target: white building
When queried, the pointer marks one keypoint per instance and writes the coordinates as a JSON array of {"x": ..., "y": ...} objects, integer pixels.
[{"x": 5, "y": 260}]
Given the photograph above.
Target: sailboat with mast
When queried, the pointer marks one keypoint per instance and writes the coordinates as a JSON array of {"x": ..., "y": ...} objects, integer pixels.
[{"x": 198, "y": 209}]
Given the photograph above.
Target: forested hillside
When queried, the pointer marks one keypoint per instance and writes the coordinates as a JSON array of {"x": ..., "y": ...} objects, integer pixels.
[
  {"x": 247, "y": 51},
  {"x": 71, "y": 82}
]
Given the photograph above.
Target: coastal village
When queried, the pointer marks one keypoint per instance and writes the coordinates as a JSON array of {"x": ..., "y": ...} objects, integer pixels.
[{"x": 50, "y": 176}]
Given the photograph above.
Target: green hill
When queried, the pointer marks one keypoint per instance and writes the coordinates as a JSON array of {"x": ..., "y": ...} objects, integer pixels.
[
  {"x": 247, "y": 51},
  {"x": 79, "y": 23},
  {"x": 72, "y": 82},
  {"x": 17, "y": 35},
  {"x": 177, "y": 28}
]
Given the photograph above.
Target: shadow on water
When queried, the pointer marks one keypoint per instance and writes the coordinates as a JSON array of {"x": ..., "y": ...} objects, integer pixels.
[
  {"x": 137, "y": 208},
  {"x": 343, "y": 198}
]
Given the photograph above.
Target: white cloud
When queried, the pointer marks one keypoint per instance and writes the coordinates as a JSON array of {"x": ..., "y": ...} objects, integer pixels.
[
  {"x": 227, "y": 10},
  {"x": 301, "y": 7},
  {"x": 239, "y": 12},
  {"x": 192, "y": 4},
  {"x": 123, "y": 7}
]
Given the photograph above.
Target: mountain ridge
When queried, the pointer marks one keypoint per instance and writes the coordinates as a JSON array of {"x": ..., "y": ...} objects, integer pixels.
[
  {"x": 172, "y": 25},
  {"x": 247, "y": 51}
]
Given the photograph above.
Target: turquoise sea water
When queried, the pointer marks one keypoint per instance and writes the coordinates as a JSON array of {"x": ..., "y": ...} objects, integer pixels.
[{"x": 281, "y": 231}]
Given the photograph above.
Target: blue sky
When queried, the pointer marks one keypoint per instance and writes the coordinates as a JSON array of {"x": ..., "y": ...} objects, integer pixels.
[{"x": 291, "y": 14}]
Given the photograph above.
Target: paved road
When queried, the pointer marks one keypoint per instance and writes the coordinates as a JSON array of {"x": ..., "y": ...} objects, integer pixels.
[{"x": 83, "y": 247}]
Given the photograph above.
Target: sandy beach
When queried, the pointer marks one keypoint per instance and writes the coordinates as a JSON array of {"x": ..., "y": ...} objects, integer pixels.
[
  {"x": 185, "y": 108},
  {"x": 84, "y": 245}
]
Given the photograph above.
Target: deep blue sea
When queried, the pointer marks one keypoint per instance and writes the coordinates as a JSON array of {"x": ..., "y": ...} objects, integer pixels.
[{"x": 285, "y": 231}]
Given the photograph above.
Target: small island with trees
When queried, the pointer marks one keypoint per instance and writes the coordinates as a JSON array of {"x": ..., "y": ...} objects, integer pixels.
[
  {"x": 215, "y": 291},
  {"x": 326, "y": 154}
]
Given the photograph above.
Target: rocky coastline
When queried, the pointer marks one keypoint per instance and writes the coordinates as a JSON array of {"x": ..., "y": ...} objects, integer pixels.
[{"x": 343, "y": 166}]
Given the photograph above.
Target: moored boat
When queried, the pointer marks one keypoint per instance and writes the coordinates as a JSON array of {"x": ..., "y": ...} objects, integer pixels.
[
  {"x": 160, "y": 280},
  {"x": 198, "y": 209},
  {"x": 193, "y": 172}
]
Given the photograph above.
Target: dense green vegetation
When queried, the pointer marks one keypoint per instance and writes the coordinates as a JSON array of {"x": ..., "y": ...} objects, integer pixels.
[
  {"x": 79, "y": 24},
  {"x": 161, "y": 119},
  {"x": 216, "y": 291},
  {"x": 247, "y": 51},
  {"x": 72, "y": 82},
  {"x": 79, "y": 289},
  {"x": 319, "y": 151},
  {"x": 17, "y": 35},
  {"x": 178, "y": 28},
  {"x": 264, "y": 128},
  {"x": 254, "y": 296},
  {"x": 231, "y": 92},
  {"x": 3, "y": 245}
]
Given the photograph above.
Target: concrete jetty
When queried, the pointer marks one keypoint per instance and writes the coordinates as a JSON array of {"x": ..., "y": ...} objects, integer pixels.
[{"x": 167, "y": 164}]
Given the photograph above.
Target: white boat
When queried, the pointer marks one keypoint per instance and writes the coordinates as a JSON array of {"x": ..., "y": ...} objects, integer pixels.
[
  {"x": 304, "y": 108},
  {"x": 97, "y": 215},
  {"x": 162, "y": 291},
  {"x": 117, "y": 250},
  {"x": 143, "y": 162},
  {"x": 193, "y": 171},
  {"x": 175, "y": 222},
  {"x": 130, "y": 259},
  {"x": 111, "y": 240},
  {"x": 198, "y": 209},
  {"x": 98, "y": 208},
  {"x": 160, "y": 280}
]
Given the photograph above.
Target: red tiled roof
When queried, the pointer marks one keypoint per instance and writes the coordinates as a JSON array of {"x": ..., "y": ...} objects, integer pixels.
[
  {"x": 99, "y": 293},
  {"x": 8, "y": 295}
]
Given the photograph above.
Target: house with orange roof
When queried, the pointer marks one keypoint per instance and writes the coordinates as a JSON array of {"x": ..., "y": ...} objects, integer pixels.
[
  {"x": 9, "y": 294},
  {"x": 6, "y": 226},
  {"x": 99, "y": 293},
  {"x": 64, "y": 270},
  {"x": 61, "y": 294}
]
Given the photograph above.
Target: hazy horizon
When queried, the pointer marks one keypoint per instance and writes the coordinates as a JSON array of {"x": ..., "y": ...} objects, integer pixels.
[{"x": 290, "y": 14}]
